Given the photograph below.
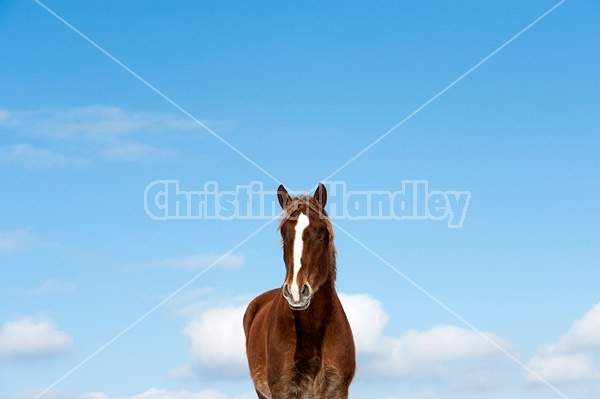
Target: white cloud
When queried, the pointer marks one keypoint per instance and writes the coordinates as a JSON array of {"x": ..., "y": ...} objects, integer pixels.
[
  {"x": 90, "y": 123},
  {"x": 190, "y": 303},
  {"x": 413, "y": 353},
  {"x": 562, "y": 367},
  {"x": 367, "y": 319},
  {"x": 186, "y": 372},
  {"x": 155, "y": 393},
  {"x": 572, "y": 356},
  {"x": 53, "y": 287},
  {"x": 201, "y": 260},
  {"x": 216, "y": 341},
  {"x": 60, "y": 136},
  {"x": 584, "y": 334},
  {"x": 430, "y": 394},
  {"x": 152, "y": 393},
  {"x": 132, "y": 151},
  {"x": 29, "y": 338},
  {"x": 56, "y": 393},
  {"x": 35, "y": 157},
  {"x": 95, "y": 395},
  {"x": 13, "y": 241}
]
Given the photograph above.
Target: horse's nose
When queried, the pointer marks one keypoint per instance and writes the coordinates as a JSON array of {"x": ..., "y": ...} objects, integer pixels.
[
  {"x": 306, "y": 291},
  {"x": 286, "y": 291},
  {"x": 301, "y": 300}
]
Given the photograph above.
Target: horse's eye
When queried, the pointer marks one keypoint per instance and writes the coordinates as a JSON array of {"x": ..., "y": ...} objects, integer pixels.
[{"x": 321, "y": 235}]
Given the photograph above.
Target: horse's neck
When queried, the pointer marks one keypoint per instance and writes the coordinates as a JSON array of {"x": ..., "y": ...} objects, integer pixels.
[{"x": 312, "y": 321}]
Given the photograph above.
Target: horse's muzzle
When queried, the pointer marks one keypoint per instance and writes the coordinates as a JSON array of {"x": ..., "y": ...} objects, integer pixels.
[{"x": 304, "y": 296}]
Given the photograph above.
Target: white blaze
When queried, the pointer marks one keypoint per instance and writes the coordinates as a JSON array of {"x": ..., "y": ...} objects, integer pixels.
[{"x": 301, "y": 224}]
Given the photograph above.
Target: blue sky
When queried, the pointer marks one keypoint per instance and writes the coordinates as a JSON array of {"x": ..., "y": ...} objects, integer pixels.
[{"x": 299, "y": 88}]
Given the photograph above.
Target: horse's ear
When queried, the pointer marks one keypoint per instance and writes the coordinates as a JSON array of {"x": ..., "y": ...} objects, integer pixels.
[
  {"x": 283, "y": 196},
  {"x": 321, "y": 195}
]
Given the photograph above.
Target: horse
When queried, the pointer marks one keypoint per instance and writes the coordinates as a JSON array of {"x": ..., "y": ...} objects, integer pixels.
[{"x": 299, "y": 343}]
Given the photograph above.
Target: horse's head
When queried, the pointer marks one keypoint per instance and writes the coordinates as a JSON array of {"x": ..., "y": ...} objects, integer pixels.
[{"x": 308, "y": 250}]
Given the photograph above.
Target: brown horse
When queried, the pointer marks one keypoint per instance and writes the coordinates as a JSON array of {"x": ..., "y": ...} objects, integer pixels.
[{"x": 298, "y": 340}]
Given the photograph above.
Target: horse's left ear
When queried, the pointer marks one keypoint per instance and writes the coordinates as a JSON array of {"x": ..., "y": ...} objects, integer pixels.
[{"x": 321, "y": 195}]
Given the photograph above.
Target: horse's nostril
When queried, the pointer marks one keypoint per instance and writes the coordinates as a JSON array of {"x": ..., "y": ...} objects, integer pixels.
[
  {"x": 286, "y": 290},
  {"x": 306, "y": 291}
]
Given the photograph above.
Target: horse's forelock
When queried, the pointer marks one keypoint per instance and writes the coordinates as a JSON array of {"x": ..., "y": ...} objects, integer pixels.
[{"x": 307, "y": 205}]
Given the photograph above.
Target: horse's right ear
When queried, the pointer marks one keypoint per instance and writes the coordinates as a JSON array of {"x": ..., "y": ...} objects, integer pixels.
[{"x": 283, "y": 196}]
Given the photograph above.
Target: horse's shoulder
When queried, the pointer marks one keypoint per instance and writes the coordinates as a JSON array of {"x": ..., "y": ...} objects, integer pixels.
[{"x": 258, "y": 303}]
